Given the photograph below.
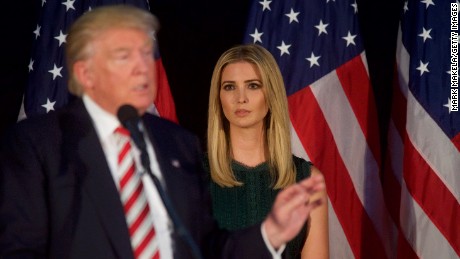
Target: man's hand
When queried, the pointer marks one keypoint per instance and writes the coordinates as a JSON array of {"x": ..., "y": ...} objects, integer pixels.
[{"x": 291, "y": 209}]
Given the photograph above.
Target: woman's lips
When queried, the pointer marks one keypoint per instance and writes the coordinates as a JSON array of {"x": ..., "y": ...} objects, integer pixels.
[{"x": 241, "y": 112}]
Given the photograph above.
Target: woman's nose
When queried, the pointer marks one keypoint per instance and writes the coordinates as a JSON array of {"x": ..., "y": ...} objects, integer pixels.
[{"x": 242, "y": 97}]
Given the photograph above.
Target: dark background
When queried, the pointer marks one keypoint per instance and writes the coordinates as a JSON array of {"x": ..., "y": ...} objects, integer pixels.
[{"x": 193, "y": 34}]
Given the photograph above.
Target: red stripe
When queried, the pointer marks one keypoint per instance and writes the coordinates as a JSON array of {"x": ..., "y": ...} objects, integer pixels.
[
  {"x": 135, "y": 225},
  {"x": 124, "y": 150},
  {"x": 127, "y": 176},
  {"x": 123, "y": 131},
  {"x": 317, "y": 139},
  {"x": 164, "y": 101},
  {"x": 129, "y": 203},
  {"x": 144, "y": 243},
  {"x": 431, "y": 194},
  {"x": 404, "y": 250},
  {"x": 391, "y": 189},
  {"x": 456, "y": 141},
  {"x": 356, "y": 85}
]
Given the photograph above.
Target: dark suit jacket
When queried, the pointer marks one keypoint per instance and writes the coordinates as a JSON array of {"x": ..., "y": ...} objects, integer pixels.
[{"x": 58, "y": 198}]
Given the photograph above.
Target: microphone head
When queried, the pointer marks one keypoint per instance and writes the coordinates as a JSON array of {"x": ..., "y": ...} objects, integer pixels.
[{"x": 127, "y": 113}]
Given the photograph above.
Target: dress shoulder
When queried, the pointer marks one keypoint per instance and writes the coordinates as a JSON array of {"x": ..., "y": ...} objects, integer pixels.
[{"x": 303, "y": 168}]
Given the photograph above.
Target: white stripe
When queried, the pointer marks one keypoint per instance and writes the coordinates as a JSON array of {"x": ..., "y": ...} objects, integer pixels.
[
  {"x": 138, "y": 206},
  {"x": 338, "y": 243},
  {"x": 125, "y": 165},
  {"x": 364, "y": 60},
  {"x": 421, "y": 233},
  {"x": 150, "y": 250},
  {"x": 297, "y": 147},
  {"x": 402, "y": 61},
  {"x": 144, "y": 228},
  {"x": 136, "y": 209},
  {"x": 22, "y": 112},
  {"x": 352, "y": 146},
  {"x": 396, "y": 151},
  {"x": 129, "y": 188},
  {"x": 431, "y": 142},
  {"x": 434, "y": 146}
]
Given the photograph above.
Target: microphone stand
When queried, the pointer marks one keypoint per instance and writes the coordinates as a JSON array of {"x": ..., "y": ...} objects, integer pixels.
[{"x": 179, "y": 227}]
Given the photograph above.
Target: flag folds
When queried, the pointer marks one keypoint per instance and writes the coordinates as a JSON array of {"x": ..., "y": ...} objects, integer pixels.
[
  {"x": 422, "y": 173},
  {"x": 318, "y": 47},
  {"x": 47, "y": 86}
]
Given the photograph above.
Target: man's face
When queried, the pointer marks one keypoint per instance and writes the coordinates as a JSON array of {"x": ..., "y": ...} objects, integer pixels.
[{"x": 121, "y": 70}]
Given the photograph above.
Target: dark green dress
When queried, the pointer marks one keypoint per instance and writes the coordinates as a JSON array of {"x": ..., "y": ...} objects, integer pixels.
[{"x": 239, "y": 207}]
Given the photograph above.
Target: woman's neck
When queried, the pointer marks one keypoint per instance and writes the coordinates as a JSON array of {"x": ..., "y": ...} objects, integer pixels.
[{"x": 248, "y": 146}]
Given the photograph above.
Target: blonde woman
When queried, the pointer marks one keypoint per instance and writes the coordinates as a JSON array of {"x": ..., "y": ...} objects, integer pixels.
[{"x": 249, "y": 150}]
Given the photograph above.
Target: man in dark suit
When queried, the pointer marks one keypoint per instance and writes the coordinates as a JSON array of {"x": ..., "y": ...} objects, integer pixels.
[{"x": 60, "y": 190}]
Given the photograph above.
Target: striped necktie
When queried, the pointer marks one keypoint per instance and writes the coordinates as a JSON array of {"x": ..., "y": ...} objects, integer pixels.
[{"x": 137, "y": 212}]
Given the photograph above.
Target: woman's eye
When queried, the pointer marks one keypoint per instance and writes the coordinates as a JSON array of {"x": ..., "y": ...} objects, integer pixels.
[
  {"x": 254, "y": 86},
  {"x": 228, "y": 87}
]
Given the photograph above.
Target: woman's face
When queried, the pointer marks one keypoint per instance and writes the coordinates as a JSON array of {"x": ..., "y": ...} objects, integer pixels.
[{"x": 242, "y": 95}]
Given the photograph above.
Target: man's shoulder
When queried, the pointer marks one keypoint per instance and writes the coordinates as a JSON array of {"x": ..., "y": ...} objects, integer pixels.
[
  {"x": 165, "y": 126},
  {"x": 51, "y": 124}
]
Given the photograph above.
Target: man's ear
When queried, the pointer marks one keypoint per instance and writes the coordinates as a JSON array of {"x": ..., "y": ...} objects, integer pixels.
[{"x": 83, "y": 73}]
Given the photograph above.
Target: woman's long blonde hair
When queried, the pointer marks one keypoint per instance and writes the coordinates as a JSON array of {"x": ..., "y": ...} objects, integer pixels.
[{"x": 277, "y": 131}]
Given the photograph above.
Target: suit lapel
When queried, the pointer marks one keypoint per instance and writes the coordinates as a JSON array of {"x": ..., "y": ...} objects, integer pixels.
[
  {"x": 180, "y": 177},
  {"x": 162, "y": 153},
  {"x": 98, "y": 181}
]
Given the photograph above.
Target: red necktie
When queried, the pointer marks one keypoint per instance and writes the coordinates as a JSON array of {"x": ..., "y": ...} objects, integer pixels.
[{"x": 137, "y": 212}]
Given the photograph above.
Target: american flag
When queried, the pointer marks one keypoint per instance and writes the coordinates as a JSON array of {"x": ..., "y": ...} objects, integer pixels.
[
  {"x": 422, "y": 176},
  {"x": 46, "y": 90},
  {"x": 318, "y": 47}
]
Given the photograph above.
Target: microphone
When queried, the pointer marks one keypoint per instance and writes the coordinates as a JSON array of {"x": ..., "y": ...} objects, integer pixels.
[{"x": 130, "y": 119}]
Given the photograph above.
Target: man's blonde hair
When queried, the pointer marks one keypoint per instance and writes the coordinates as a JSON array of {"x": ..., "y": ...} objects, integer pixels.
[
  {"x": 91, "y": 24},
  {"x": 277, "y": 130}
]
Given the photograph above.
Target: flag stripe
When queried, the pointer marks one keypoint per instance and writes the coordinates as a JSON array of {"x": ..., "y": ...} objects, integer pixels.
[
  {"x": 297, "y": 148},
  {"x": 352, "y": 143},
  {"x": 393, "y": 171},
  {"x": 164, "y": 101},
  {"x": 423, "y": 235},
  {"x": 430, "y": 141},
  {"x": 399, "y": 106},
  {"x": 456, "y": 141},
  {"x": 354, "y": 219},
  {"x": 340, "y": 247},
  {"x": 423, "y": 157},
  {"x": 434, "y": 146},
  {"x": 405, "y": 250},
  {"x": 361, "y": 101},
  {"x": 435, "y": 200},
  {"x": 394, "y": 179}
]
